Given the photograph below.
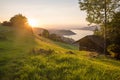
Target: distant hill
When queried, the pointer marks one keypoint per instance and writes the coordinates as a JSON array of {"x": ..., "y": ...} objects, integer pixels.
[
  {"x": 61, "y": 32},
  {"x": 91, "y": 28}
]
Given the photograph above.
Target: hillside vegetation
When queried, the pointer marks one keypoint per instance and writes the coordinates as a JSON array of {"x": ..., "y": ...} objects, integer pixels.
[{"x": 25, "y": 56}]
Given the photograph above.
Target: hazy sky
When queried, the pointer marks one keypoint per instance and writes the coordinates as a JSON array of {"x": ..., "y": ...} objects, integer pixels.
[{"x": 46, "y": 12}]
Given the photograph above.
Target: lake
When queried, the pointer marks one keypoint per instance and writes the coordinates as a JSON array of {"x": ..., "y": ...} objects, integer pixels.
[{"x": 79, "y": 34}]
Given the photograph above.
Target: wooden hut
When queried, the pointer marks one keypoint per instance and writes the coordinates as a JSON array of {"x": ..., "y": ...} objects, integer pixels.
[{"x": 91, "y": 43}]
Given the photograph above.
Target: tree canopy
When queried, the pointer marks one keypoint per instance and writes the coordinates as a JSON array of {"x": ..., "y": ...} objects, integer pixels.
[
  {"x": 96, "y": 9},
  {"x": 19, "y": 20}
]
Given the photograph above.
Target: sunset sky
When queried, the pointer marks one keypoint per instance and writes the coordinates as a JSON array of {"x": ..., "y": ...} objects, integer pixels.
[{"x": 45, "y": 12}]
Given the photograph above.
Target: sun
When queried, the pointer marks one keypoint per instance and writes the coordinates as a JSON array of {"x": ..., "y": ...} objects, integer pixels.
[{"x": 33, "y": 22}]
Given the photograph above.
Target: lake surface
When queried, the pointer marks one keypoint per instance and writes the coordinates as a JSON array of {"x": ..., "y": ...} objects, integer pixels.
[{"x": 79, "y": 34}]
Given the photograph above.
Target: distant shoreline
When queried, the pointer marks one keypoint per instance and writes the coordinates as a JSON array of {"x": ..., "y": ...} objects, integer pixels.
[{"x": 79, "y": 34}]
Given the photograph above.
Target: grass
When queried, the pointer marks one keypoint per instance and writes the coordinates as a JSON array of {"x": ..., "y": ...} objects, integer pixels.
[
  {"x": 67, "y": 46},
  {"x": 18, "y": 61}
]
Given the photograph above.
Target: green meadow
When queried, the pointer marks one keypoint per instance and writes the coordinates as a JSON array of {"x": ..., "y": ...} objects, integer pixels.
[{"x": 26, "y": 56}]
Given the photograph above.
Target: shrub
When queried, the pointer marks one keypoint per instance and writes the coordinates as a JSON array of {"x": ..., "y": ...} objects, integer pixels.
[
  {"x": 45, "y": 33},
  {"x": 114, "y": 50},
  {"x": 6, "y": 23},
  {"x": 55, "y": 37}
]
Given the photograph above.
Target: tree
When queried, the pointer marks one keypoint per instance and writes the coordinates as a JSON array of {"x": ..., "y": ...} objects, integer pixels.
[
  {"x": 45, "y": 33},
  {"x": 6, "y": 23},
  {"x": 19, "y": 20},
  {"x": 100, "y": 12},
  {"x": 113, "y": 30},
  {"x": 96, "y": 9}
]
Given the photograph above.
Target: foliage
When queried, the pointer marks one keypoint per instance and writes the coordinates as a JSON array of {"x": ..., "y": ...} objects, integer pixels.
[
  {"x": 6, "y": 23},
  {"x": 45, "y": 33},
  {"x": 113, "y": 30},
  {"x": 19, "y": 20},
  {"x": 62, "y": 39},
  {"x": 114, "y": 50},
  {"x": 96, "y": 31},
  {"x": 96, "y": 8},
  {"x": 55, "y": 37},
  {"x": 113, "y": 35}
]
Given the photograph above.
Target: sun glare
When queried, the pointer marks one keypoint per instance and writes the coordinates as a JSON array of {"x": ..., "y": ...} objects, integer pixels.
[{"x": 33, "y": 22}]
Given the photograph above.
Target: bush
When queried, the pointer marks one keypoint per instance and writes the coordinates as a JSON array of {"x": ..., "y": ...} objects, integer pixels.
[
  {"x": 114, "y": 50},
  {"x": 55, "y": 37},
  {"x": 6, "y": 23},
  {"x": 45, "y": 33}
]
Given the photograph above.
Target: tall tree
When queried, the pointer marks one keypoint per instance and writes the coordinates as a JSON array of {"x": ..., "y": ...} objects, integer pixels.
[
  {"x": 96, "y": 9},
  {"x": 100, "y": 12}
]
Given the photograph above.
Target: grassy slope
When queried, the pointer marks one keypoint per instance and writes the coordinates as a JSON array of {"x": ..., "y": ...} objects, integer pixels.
[{"x": 18, "y": 62}]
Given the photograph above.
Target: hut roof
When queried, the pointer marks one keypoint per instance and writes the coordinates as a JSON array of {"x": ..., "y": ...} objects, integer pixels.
[{"x": 94, "y": 38}]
